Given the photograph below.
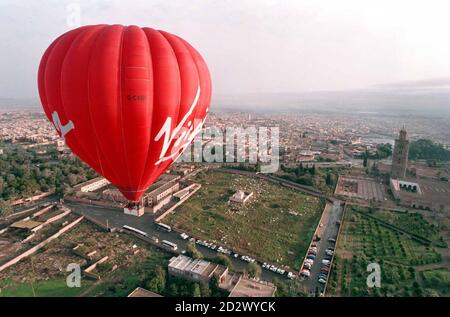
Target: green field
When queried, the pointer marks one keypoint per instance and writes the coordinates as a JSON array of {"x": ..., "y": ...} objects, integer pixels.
[
  {"x": 276, "y": 226},
  {"x": 413, "y": 223},
  {"x": 364, "y": 240},
  {"x": 51, "y": 288},
  {"x": 438, "y": 279}
]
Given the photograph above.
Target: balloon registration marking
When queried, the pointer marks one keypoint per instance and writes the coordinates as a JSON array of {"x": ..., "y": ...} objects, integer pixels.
[{"x": 62, "y": 129}]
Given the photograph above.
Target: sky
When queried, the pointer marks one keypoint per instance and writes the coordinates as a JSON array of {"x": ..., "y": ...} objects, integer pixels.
[{"x": 254, "y": 46}]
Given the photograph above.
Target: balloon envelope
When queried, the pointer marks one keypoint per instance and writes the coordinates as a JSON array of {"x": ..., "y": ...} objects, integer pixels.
[{"x": 127, "y": 100}]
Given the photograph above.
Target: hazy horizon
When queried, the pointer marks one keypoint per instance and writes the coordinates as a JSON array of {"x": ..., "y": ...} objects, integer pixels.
[{"x": 255, "y": 47}]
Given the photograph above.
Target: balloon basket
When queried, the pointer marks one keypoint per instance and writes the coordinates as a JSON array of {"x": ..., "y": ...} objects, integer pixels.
[{"x": 134, "y": 208}]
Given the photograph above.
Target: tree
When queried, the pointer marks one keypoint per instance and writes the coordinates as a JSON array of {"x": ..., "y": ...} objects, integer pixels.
[
  {"x": 253, "y": 270},
  {"x": 158, "y": 281},
  {"x": 424, "y": 149},
  {"x": 204, "y": 289},
  {"x": 5, "y": 209},
  {"x": 365, "y": 160},
  {"x": 224, "y": 260},
  {"x": 197, "y": 292},
  {"x": 214, "y": 285},
  {"x": 329, "y": 180},
  {"x": 192, "y": 251}
]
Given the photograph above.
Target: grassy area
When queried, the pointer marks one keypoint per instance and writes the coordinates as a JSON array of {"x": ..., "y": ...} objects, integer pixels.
[
  {"x": 275, "y": 226},
  {"x": 122, "y": 282},
  {"x": 413, "y": 223},
  {"x": 52, "y": 288},
  {"x": 364, "y": 240},
  {"x": 132, "y": 259},
  {"x": 438, "y": 279}
]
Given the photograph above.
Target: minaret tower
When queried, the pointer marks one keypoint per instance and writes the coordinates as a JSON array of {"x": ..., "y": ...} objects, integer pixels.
[{"x": 400, "y": 155}]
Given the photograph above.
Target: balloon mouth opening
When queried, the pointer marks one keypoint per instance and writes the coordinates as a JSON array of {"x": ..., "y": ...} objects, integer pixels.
[{"x": 133, "y": 196}]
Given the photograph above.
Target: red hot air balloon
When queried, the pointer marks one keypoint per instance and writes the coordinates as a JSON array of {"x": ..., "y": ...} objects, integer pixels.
[{"x": 126, "y": 100}]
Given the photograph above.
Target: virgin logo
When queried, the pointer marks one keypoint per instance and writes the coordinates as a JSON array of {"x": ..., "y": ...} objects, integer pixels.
[
  {"x": 181, "y": 134},
  {"x": 62, "y": 129}
]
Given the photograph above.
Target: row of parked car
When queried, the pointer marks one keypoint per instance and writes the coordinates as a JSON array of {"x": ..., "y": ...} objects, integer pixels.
[
  {"x": 223, "y": 250},
  {"x": 309, "y": 261},
  {"x": 245, "y": 258},
  {"x": 326, "y": 263}
]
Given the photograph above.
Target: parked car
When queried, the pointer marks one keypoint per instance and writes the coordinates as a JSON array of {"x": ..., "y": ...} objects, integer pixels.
[
  {"x": 312, "y": 257},
  {"x": 290, "y": 275},
  {"x": 322, "y": 281},
  {"x": 307, "y": 266},
  {"x": 332, "y": 240},
  {"x": 184, "y": 236},
  {"x": 326, "y": 262},
  {"x": 154, "y": 239},
  {"x": 236, "y": 255},
  {"x": 305, "y": 273}
]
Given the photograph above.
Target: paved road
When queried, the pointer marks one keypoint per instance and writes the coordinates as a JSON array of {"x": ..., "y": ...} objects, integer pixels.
[
  {"x": 116, "y": 218},
  {"x": 333, "y": 213}
]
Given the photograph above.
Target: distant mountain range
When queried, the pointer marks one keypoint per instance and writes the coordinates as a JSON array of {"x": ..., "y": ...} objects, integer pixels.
[
  {"x": 395, "y": 100},
  {"x": 381, "y": 101},
  {"x": 7, "y": 104}
]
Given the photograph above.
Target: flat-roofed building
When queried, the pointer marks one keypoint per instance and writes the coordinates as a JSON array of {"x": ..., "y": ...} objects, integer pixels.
[
  {"x": 93, "y": 185},
  {"x": 196, "y": 270},
  {"x": 246, "y": 287},
  {"x": 240, "y": 197},
  {"x": 142, "y": 292},
  {"x": 427, "y": 194}
]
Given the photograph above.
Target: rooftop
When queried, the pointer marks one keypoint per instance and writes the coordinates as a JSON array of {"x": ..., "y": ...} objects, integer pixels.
[
  {"x": 246, "y": 287},
  {"x": 141, "y": 292}
]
